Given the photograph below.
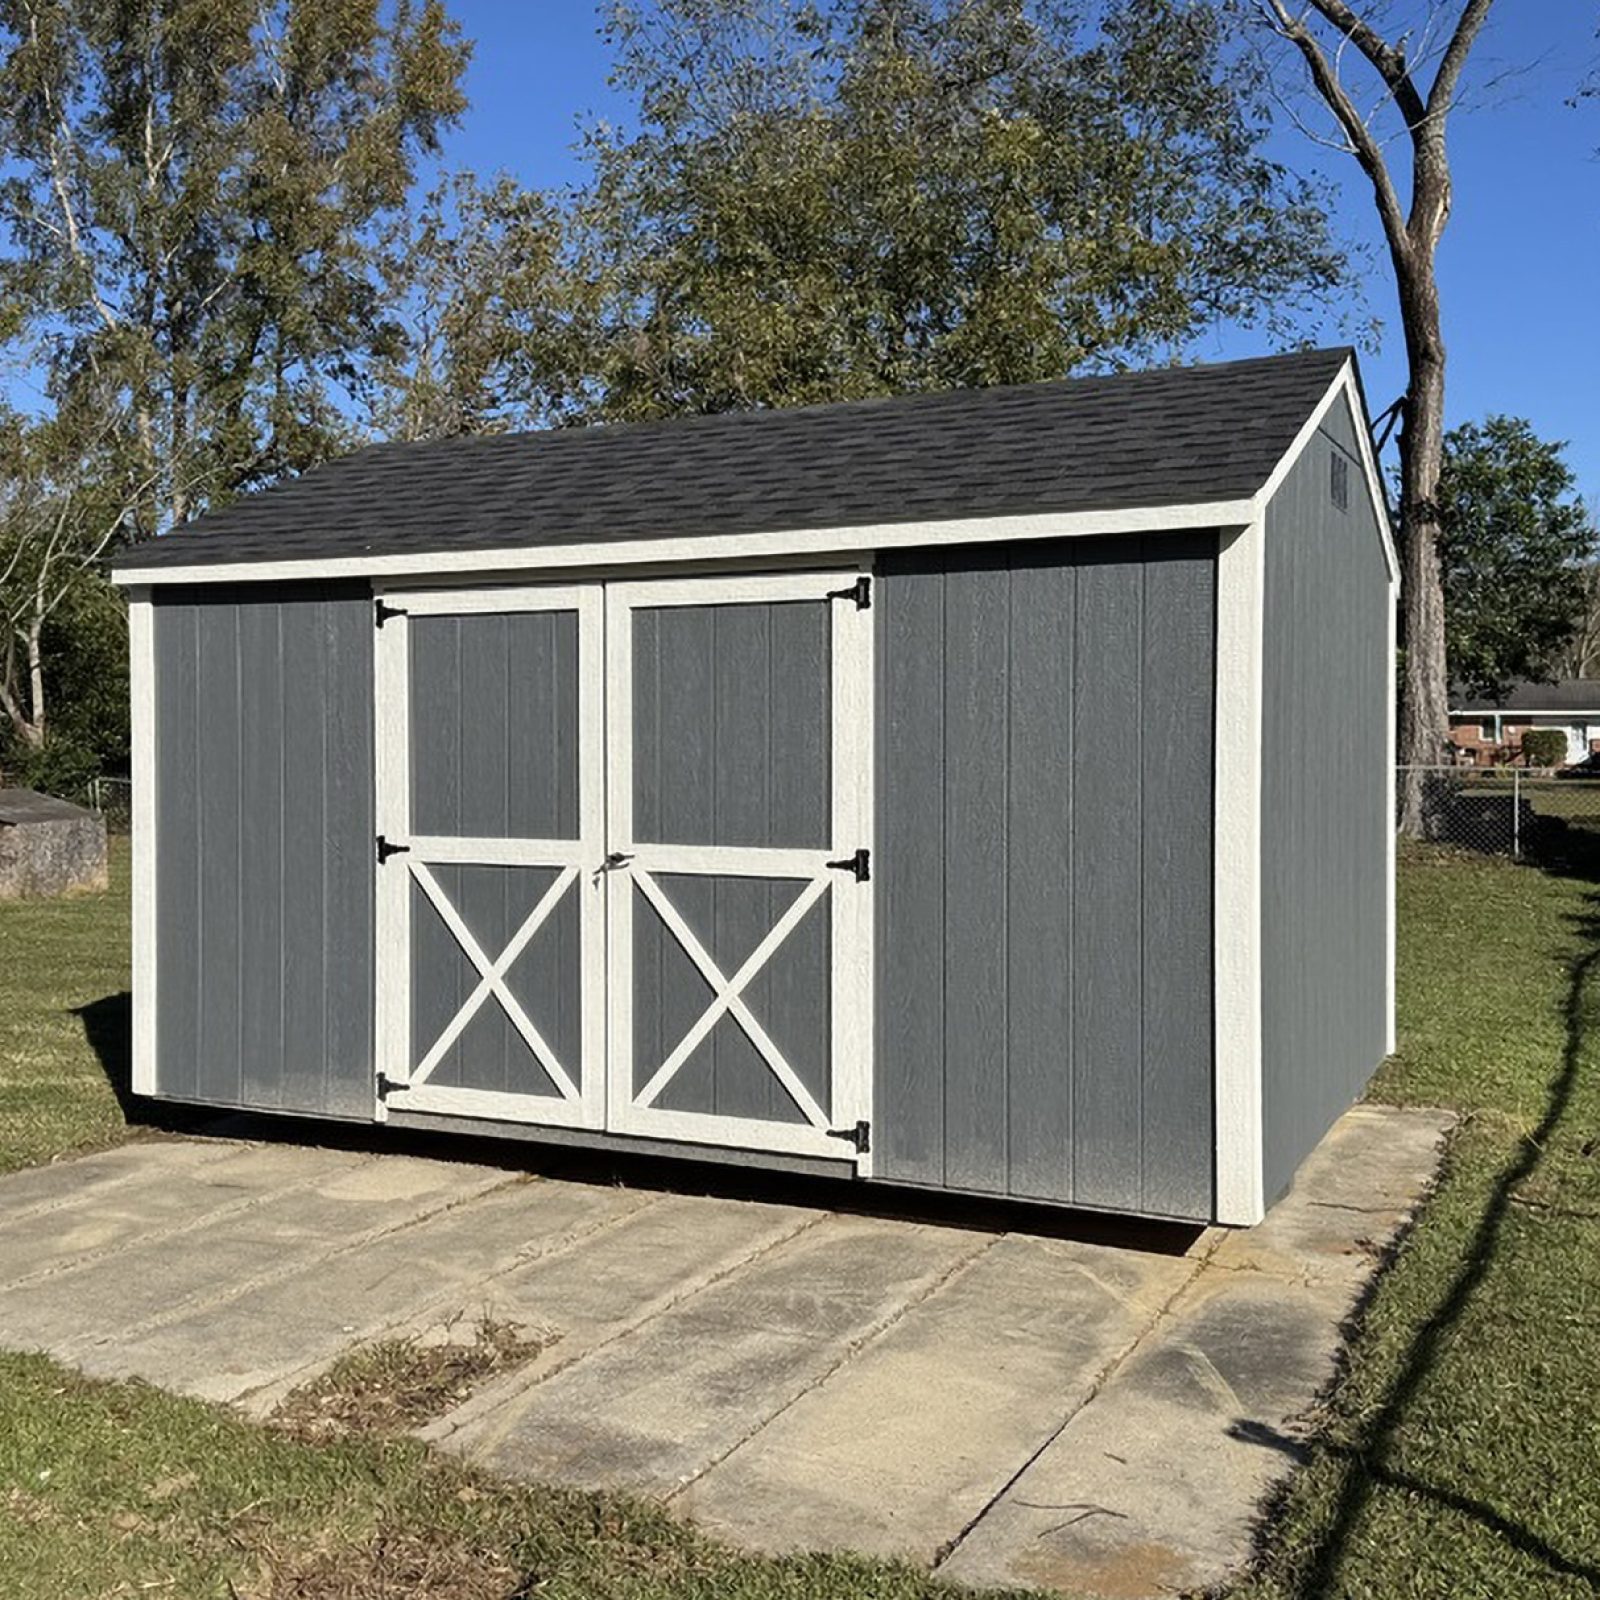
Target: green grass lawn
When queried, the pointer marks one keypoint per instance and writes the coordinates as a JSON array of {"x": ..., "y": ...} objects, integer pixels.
[
  {"x": 63, "y": 979},
  {"x": 1460, "y": 1455}
]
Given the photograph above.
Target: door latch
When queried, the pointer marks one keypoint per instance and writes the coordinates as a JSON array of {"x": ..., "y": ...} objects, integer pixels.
[
  {"x": 860, "y": 864},
  {"x": 387, "y": 849},
  {"x": 860, "y": 1136},
  {"x": 617, "y": 858}
]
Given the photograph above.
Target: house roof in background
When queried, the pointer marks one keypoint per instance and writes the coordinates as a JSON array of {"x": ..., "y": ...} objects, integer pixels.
[
  {"x": 1166, "y": 437},
  {"x": 1570, "y": 694}
]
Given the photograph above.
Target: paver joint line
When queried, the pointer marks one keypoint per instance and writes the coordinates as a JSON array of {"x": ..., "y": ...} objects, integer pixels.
[
  {"x": 1104, "y": 1376},
  {"x": 522, "y": 1384},
  {"x": 421, "y": 1316},
  {"x": 848, "y": 1354},
  {"x": 245, "y": 1286},
  {"x": 42, "y": 1208},
  {"x": 223, "y": 1213}
]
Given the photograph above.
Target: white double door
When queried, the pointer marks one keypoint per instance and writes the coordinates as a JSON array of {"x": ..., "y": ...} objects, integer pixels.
[{"x": 624, "y": 835}]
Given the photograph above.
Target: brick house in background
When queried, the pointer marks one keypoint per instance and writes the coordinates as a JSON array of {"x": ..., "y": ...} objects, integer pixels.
[{"x": 1486, "y": 733}]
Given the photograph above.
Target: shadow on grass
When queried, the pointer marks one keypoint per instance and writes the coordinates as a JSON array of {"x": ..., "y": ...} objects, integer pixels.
[
  {"x": 108, "y": 1031},
  {"x": 1574, "y": 854}
]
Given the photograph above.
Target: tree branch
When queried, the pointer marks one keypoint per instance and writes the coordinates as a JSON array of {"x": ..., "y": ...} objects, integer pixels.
[
  {"x": 1364, "y": 146},
  {"x": 1389, "y": 61},
  {"x": 1443, "y": 93}
]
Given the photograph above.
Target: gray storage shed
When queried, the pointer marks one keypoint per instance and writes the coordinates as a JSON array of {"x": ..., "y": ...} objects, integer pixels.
[{"x": 985, "y": 791}]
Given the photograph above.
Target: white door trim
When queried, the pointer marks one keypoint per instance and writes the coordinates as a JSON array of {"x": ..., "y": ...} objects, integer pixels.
[
  {"x": 581, "y": 1103},
  {"x": 850, "y": 902}
]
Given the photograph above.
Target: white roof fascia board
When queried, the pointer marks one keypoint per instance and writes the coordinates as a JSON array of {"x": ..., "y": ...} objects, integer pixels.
[{"x": 810, "y": 542}]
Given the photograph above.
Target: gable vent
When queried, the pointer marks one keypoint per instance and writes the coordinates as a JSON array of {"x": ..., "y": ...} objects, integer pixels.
[{"x": 1339, "y": 482}]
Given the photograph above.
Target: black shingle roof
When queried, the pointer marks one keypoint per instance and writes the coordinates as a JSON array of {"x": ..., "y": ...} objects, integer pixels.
[
  {"x": 1569, "y": 694},
  {"x": 1169, "y": 436}
]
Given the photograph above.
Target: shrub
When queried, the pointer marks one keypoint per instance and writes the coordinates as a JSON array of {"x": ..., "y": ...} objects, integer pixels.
[{"x": 1544, "y": 747}]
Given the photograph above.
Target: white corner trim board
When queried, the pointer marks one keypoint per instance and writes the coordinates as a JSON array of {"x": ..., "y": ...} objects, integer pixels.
[
  {"x": 142, "y": 712},
  {"x": 723, "y": 548},
  {"x": 1236, "y": 899}
]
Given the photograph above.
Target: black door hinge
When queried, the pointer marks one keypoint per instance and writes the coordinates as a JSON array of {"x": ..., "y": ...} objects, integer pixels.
[
  {"x": 382, "y": 611},
  {"x": 860, "y": 1136},
  {"x": 386, "y": 849},
  {"x": 388, "y": 1086},
  {"x": 860, "y": 591},
  {"x": 860, "y": 864}
]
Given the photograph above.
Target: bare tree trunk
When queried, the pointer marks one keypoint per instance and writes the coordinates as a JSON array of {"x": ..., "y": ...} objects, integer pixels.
[
  {"x": 36, "y": 729},
  {"x": 1413, "y": 229},
  {"x": 17, "y": 715},
  {"x": 1424, "y": 701}
]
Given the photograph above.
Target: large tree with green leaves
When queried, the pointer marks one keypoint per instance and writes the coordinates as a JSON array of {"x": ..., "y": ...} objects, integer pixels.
[
  {"x": 825, "y": 199},
  {"x": 194, "y": 197},
  {"x": 1514, "y": 547}
]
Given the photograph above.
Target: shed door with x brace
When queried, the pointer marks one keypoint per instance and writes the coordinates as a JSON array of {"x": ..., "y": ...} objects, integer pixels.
[
  {"x": 738, "y": 783},
  {"x": 490, "y": 806},
  {"x": 683, "y": 893}
]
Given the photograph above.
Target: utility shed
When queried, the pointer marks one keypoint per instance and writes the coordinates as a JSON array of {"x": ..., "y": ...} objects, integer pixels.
[{"x": 986, "y": 791}]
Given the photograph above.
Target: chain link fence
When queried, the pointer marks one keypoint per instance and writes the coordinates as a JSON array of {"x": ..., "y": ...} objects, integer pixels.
[
  {"x": 113, "y": 799},
  {"x": 1507, "y": 811}
]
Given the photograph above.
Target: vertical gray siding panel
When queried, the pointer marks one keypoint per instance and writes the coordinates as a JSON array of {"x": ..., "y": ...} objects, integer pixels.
[
  {"x": 347, "y": 863},
  {"x": 1039, "y": 1046},
  {"x": 305, "y": 947},
  {"x": 264, "y": 847},
  {"x": 1107, "y": 872},
  {"x": 742, "y": 714},
  {"x": 178, "y": 944},
  {"x": 909, "y": 1058},
  {"x": 261, "y": 711},
  {"x": 434, "y": 693},
  {"x": 1043, "y": 871},
  {"x": 1176, "y": 781},
  {"x": 977, "y": 616},
  {"x": 221, "y": 855},
  {"x": 1324, "y": 802},
  {"x": 483, "y": 716},
  {"x": 791, "y": 994}
]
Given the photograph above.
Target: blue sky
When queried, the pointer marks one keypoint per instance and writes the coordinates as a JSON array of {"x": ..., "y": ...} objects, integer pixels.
[{"x": 1519, "y": 267}]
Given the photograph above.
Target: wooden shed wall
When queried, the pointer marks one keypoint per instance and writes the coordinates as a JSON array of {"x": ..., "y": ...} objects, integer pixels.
[
  {"x": 264, "y": 857},
  {"x": 1044, "y": 847},
  {"x": 1324, "y": 801}
]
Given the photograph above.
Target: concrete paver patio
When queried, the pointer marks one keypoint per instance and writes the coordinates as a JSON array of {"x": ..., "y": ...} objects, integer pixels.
[{"x": 1004, "y": 1407}]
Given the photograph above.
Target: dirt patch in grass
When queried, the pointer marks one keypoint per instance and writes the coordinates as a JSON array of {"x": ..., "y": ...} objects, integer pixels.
[
  {"x": 394, "y": 1386},
  {"x": 396, "y": 1564}
]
